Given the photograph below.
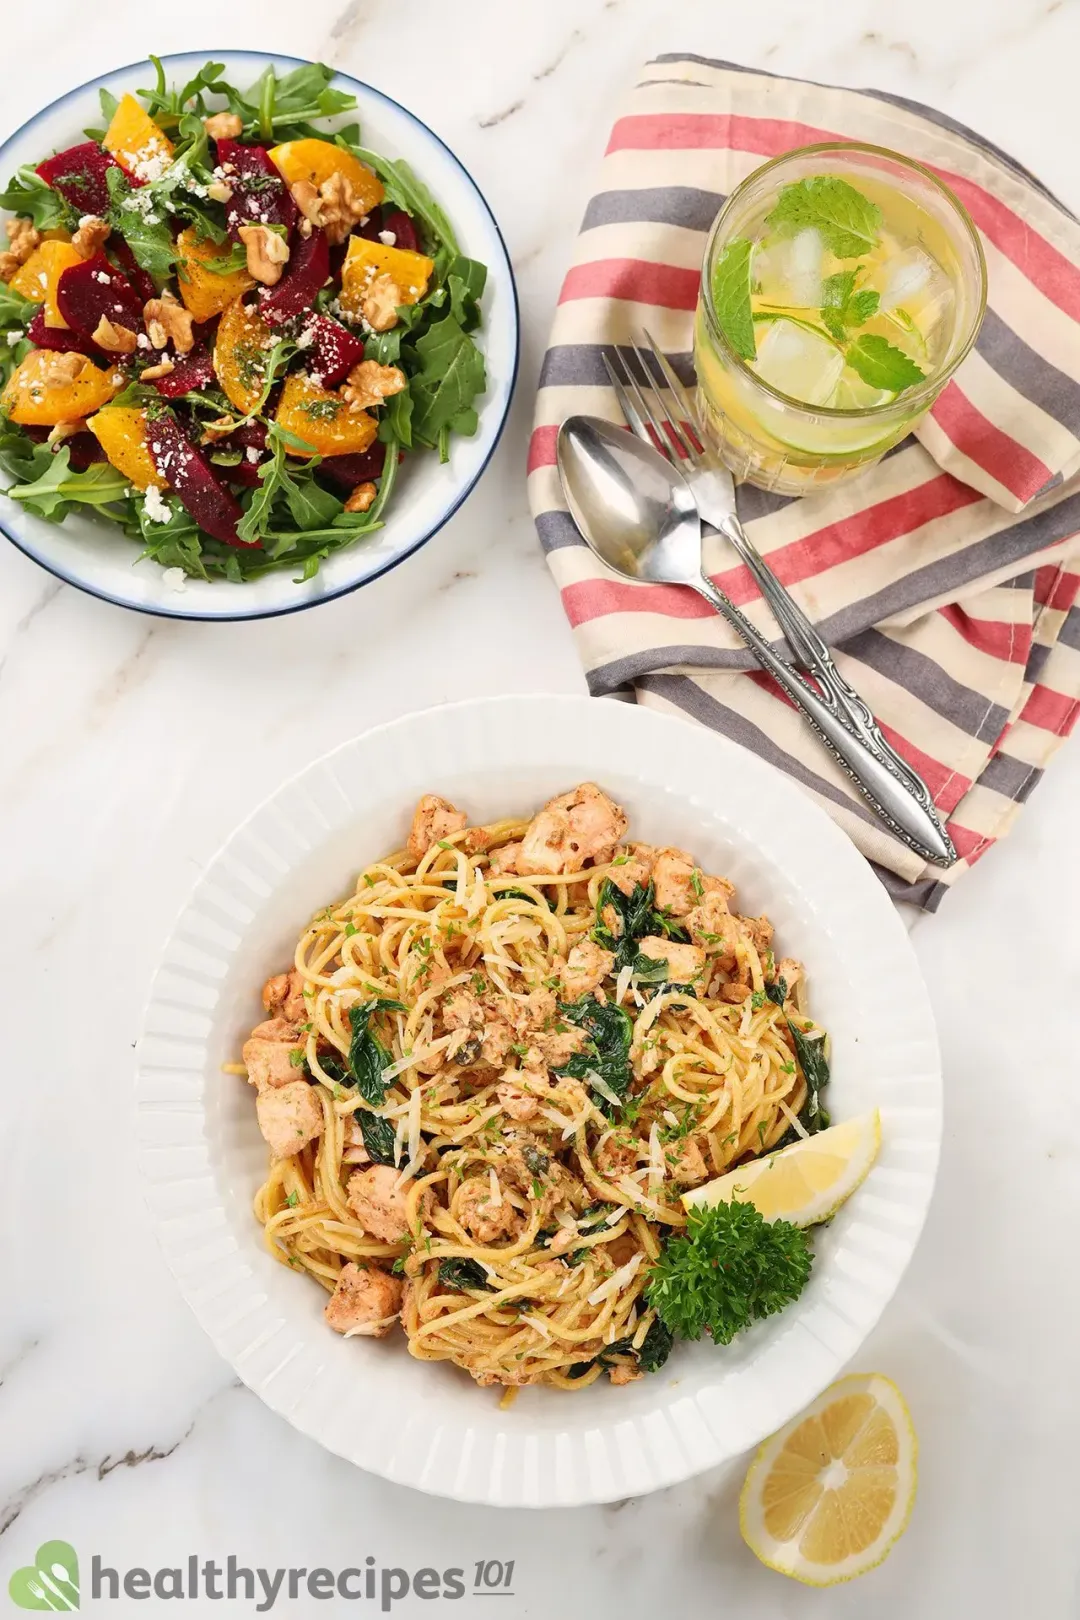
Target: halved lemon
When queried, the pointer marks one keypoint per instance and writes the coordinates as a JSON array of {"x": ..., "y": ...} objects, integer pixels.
[
  {"x": 806, "y": 1182},
  {"x": 828, "y": 1497}
]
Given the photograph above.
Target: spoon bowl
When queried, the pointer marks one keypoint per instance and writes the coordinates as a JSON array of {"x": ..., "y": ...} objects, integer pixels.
[{"x": 634, "y": 509}]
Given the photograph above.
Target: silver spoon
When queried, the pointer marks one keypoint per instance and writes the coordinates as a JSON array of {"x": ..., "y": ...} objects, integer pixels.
[{"x": 637, "y": 513}]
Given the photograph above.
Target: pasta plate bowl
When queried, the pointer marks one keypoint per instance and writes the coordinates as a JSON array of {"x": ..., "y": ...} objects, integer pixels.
[{"x": 426, "y": 1424}]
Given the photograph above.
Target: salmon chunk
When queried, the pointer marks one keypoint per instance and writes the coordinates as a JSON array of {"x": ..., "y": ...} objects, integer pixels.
[
  {"x": 289, "y": 1117},
  {"x": 378, "y": 1202},
  {"x": 435, "y": 818},
  {"x": 366, "y": 1301},
  {"x": 576, "y": 827}
]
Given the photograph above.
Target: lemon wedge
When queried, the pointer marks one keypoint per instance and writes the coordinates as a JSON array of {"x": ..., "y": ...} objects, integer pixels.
[
  {"x": 805, "y": 1182},
  {"x": 829, "y": 1495}
]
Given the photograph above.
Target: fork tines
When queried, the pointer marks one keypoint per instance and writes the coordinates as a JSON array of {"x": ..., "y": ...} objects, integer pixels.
[{"x": 646, "y": 409}]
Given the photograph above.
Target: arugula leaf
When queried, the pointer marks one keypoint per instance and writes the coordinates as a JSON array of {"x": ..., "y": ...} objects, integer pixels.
[
  {"x": 731, "y": 297},
  {"x": 465, "y": 283},
  {"x": 368, "y": 1057},
  {"x": 404, "y": 190},
  {"x": 462, "y": 1274},
  {"x": 28, "y": 194},
  {"x": 882, "y": 365},
  {"x": 166, "y": 106},
  {"x": 226, "y": 264},
  {"x": 848, "y": 222},
  {"x": 57, "y": 490},
  {"x": 451, "y": 376},
  {"x": 311, "y": 506},
  {"x": 276, "y": 109},
  {"x": 379, "y": 1136},
  {"x": 148, "y": 236},
  {"x": 15, "y": 310},
  {"x": 608, "y": 1031},
  {"x": 729, "y": 1269}
]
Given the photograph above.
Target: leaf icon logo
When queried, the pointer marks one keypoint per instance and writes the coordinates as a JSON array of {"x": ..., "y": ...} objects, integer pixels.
[{"x": 50, "y": 1582}]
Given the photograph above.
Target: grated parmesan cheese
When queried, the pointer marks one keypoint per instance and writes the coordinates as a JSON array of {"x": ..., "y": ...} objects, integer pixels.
[
  {"x": 617, "y": 1281},
  {"x": 603, "y": 1088},
  {"x": 657, "y": 1164}
]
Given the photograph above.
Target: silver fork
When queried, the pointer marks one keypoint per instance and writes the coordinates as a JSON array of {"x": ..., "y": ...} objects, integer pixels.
[{"x": 714, "y": 492}]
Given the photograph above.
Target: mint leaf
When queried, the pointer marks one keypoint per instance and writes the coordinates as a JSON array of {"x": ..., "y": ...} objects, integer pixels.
[
  {"x": 862, "y": 306},
  {"x": 849, "y": 222},
  {"x": 731, "y": 297},
  {"x": 842, "y": 306},
  {"x": 881, "y": 364}
]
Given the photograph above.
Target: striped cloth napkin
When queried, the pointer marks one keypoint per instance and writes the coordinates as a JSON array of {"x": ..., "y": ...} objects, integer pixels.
[{"x": 946, "y": 578}]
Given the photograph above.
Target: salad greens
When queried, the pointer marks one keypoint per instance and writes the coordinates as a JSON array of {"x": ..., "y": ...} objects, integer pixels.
[{"x": 263, "y": 495}]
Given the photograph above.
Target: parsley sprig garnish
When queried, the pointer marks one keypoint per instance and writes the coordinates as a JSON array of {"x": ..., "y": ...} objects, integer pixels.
[{"x": 730, "y": 1269}]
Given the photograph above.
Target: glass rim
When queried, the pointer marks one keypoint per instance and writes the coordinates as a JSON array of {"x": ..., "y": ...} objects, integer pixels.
[{"x": 933, "y": 384}]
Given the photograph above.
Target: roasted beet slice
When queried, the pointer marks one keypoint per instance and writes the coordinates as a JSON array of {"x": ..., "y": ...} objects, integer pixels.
[
  {"x": 250, "y": 436},
  {"x": 348, "y": 471},
  {"x": 371, "y": 227},
  {"x": 79, "y": 176},
  {"x": 85, "y": 450},
  {"x": 405, "y": 234},
  {"x": 187, "y": 471},
  {"x": 129, "y": 264},
  {"x": 259, "y": 194},
  {"x": 94, "y": 289},
  {"x": 194, "y": 370},
  {"x": 305, "y": 273},
  {"x": 60, "y": 338},
  {"x": 332, "y": 351}
]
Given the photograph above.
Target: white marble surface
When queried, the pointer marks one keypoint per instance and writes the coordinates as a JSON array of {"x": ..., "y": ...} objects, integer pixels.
[{"x": 131, "y": 747}]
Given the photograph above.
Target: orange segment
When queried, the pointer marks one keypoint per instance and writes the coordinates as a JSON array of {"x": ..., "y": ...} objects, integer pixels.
[
  {"x": 365, "y": 260},
  {"x": 315, "y": 161},
  {"x": 37, "y": 397},
  {"x": 121, "y": 432},
  {"x": 37, "y": 278},
  {"x": 323, "y": 419},
  {"x": 136, "y": 141},
  {"x": 241, "y": 352},
  {"x": 203, "y": 291}
]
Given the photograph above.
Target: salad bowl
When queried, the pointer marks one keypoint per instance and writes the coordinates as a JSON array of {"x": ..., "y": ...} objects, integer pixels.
[{"x": 95, "y": 555}]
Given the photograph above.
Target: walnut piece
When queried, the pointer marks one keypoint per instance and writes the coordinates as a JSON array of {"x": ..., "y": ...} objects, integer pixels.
[
  {"x": 64, "y": 430},
  {"x": 369, "y": 384},
  {"x": 341, "y": 208},
  {"x": 223, "y": 126},
  {"x": 267, "y": 253},
  {"x": 307, "y": 199},
  {"x": 91, "y": 235},
  {"x": 60, "y": 370},
  {"x": 161, "y": 369},
  {"x": 219, "y": 190},
  {"x": 168, "y": 321},
  {"x": 361, "y": 498},
  {"x": 113, "y": 337},
  {"x": 379, "y": 305},
  {"x": 23, "y": 238}
]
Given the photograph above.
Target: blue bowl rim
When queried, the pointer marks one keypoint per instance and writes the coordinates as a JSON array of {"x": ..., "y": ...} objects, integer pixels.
[{"x": 464, "y": 493}]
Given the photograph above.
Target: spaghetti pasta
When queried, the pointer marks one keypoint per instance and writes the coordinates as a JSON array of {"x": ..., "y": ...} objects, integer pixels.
[{"x": 493, "y": 1069}]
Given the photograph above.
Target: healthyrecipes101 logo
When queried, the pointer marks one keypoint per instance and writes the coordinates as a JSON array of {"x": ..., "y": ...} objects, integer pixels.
[{"x": 52, "y": 1581}]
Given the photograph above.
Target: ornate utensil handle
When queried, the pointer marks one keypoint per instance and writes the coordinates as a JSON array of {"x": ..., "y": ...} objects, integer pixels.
[{"x": 902, "y": 811}]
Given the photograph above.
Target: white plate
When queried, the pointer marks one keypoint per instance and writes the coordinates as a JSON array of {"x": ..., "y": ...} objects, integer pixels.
[
  {"x": 85, "y": 552},
  {"x": 427, "y": 1424}
]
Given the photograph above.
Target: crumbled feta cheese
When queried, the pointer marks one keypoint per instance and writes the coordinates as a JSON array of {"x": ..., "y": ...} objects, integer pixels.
[
  {"x": 388, "y": 238},
  {"x": 157, "y": 510},
  {"x": 104, "y": 277},
  {"x": 252, "y": 452},
  {"x": 14, "y": 335},
  {"x": 143, "y": 341},
  {"x": 43, "y": 278},
  {"x": 174, "y": 579}
]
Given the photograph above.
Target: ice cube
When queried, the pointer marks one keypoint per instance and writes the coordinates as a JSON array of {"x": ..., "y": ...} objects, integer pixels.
[
  {"x": 906, "y": 277},
  {"x": 799, "y": 362},
  {"x": 788, "y": 272},
  {"x": 806, "y": 256}
]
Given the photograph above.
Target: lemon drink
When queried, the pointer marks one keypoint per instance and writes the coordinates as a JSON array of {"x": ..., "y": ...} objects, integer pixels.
[{"x": 842, "y": 286}]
